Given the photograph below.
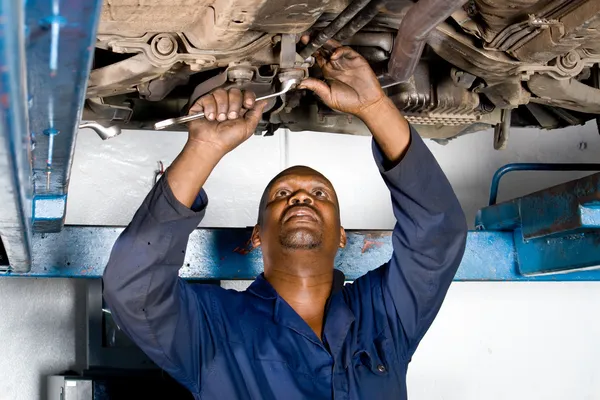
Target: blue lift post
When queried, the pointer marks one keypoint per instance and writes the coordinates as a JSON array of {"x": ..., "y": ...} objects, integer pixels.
[{"x": 549, "y": 235}]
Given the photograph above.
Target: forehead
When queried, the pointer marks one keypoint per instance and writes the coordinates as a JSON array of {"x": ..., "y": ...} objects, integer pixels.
[{"x": 300, "y": 174}]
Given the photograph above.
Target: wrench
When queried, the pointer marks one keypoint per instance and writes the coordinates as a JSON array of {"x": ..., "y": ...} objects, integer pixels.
[{"x": 286, "y": 86}]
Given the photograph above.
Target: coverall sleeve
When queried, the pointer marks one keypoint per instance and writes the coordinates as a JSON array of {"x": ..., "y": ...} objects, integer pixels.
[
  {"x": 159, "y": 311},
  {"x": 428, "y": 241}
]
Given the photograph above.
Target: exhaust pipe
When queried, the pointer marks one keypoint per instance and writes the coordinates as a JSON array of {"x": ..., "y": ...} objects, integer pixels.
[{"x": 414, "y": 29}]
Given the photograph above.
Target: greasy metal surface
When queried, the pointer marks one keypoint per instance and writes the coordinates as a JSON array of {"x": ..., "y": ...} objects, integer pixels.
[
  {"x": 414, "y": 30},
  {"x": 360, "y": 20},
  {"x": 59, "y": 56},
  {"x": 465, "y": 52},
  {"x": 15, "y": 140},
  {"x": 80, "y": 251},
  {"x": 578, "y": 26},
  {"x": 422, "y": 98},
  {"x": 497, "y": 14},
  {"x": 210, "y": 24},
  {"x": 570, "y": 94},
  {"x": 334, "y": 26}
]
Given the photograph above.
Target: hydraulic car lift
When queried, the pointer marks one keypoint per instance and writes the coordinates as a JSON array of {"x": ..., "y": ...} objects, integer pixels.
[{"x": 46, "y": 48}]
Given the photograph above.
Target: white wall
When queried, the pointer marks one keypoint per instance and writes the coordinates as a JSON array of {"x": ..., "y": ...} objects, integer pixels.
[
  {"x": 491, "y": 341},
  {"x": 110, "y": 178}
]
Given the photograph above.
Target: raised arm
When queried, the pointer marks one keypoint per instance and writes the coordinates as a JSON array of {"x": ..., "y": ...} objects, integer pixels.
[
  {"x": 430, "y": 233},
  {"x": 173, "y": 324}
]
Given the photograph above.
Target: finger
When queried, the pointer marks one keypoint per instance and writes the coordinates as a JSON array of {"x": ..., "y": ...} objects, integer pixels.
[
  {"x": 332, "y": 44},
  {"x": 249, "y": 99},
  {"x": 222, "y": 100},
  {"x": 254, "y": 115},
  {"x": 196, "y": 108},
  {"x": 321, "y": 61},
  {"x": 209, "y": 106},
  {"x": 344, "y": 52},
  {"x": 235, "y": 103},
  {"x": 320, "y": 88}
]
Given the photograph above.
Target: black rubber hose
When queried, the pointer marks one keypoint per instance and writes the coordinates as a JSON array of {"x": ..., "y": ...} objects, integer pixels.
[
  {"x": 330, "y": 30},
  {"x": 360, "y": 20}
]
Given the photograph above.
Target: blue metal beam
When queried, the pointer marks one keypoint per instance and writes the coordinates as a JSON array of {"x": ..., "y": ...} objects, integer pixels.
[
  {"x": 62, "y": 34},
  {"x": 80, "y": 251},
  {"x": 15, "y": 139}
]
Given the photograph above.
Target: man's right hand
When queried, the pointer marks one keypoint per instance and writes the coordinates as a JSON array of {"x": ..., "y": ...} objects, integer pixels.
[{"x": 230, "y": 118}]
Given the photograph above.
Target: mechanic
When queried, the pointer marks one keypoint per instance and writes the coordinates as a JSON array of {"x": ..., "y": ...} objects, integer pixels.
[{"x": 297, "y": 332}]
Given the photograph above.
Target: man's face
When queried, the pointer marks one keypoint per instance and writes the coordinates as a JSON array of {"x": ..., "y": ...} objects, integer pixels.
[{"x": 300, "y": 212}]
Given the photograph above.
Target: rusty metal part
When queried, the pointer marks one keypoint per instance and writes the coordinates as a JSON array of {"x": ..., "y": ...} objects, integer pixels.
[
  {"x": 464, "y": 52},
  {"x": 382, "y": 40},
  {"x": 107, "y": 112},
  {"x": 338, "y": 23},
  {"x": 502, "y": 130},
  {"x": 122, "y": 77},
  {"x": 187, "y": 53},
  {"x": 498, "y": 14},
  {"x": 509, "y": 93},
  {"x": 495, "y": 67},
  {"x": 579, "y": 28},
  {"x": 211, "y": 24},
  {"x": 438, "y": 126},
  {"x": 571, "y": 94},
  {"x": 414, "y": 30},
  {"x": 360, "y": 20},
  {"x": 158, "y": 89}
]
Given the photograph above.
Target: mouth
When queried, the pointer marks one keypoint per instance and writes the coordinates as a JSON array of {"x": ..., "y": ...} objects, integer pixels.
[{"x": 300, "y": 213}]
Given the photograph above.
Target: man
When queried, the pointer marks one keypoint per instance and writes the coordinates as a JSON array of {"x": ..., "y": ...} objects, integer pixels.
[{"x": 298, "y": 332}]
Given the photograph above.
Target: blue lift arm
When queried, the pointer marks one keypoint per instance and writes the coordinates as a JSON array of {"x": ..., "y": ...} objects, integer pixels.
[{"x": 550, "y": 235}]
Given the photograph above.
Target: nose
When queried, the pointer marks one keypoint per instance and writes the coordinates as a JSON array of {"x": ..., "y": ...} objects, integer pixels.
[{"x": 301, "y": 197}]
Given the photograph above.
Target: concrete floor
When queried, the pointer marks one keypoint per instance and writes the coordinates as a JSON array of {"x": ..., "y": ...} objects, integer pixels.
[{"x": 42, "y": 321}]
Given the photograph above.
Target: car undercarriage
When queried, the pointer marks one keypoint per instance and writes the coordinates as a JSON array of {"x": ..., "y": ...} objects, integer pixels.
[{"x": 452, "y": 67}]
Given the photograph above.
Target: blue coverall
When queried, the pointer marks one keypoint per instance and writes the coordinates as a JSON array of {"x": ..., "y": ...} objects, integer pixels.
[{"x": 223, "y": 344}]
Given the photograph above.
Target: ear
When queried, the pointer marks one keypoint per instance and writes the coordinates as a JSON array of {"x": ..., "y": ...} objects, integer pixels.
[
  {"x": 343, "y": 238},
  {"x": 255, "y": 238}
]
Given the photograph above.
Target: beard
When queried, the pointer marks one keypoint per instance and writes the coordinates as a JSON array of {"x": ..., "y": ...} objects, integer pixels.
[{"x": 300, "y": 239}]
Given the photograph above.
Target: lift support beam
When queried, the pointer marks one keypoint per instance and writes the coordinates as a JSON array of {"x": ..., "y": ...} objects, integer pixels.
[{"x": 550, "y": 235}]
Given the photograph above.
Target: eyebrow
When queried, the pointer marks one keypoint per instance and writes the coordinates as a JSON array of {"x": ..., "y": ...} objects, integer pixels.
[{"x": 315, "y": 179}]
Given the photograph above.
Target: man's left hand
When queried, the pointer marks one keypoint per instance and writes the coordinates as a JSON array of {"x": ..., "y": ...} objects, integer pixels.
[{"x": 351, "y": 86}]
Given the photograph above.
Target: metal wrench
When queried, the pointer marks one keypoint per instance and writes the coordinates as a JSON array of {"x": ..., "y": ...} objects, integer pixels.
[{"x": 286, "y": 86}]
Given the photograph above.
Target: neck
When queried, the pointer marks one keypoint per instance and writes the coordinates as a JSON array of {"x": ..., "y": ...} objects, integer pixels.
[{"x": 303, "y": 279}]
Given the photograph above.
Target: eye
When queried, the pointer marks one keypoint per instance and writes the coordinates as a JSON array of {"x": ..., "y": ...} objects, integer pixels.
[
  {"x": 320, "y": 193},
  {"x": 282, "y": 193}
]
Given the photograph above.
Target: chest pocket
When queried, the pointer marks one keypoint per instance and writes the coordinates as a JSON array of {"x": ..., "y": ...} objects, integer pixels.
[{"x": 375, "y": 358}]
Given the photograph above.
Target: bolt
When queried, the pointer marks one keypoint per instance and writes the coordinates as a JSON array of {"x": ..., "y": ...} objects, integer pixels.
[{"x": 165, "y": 46}]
